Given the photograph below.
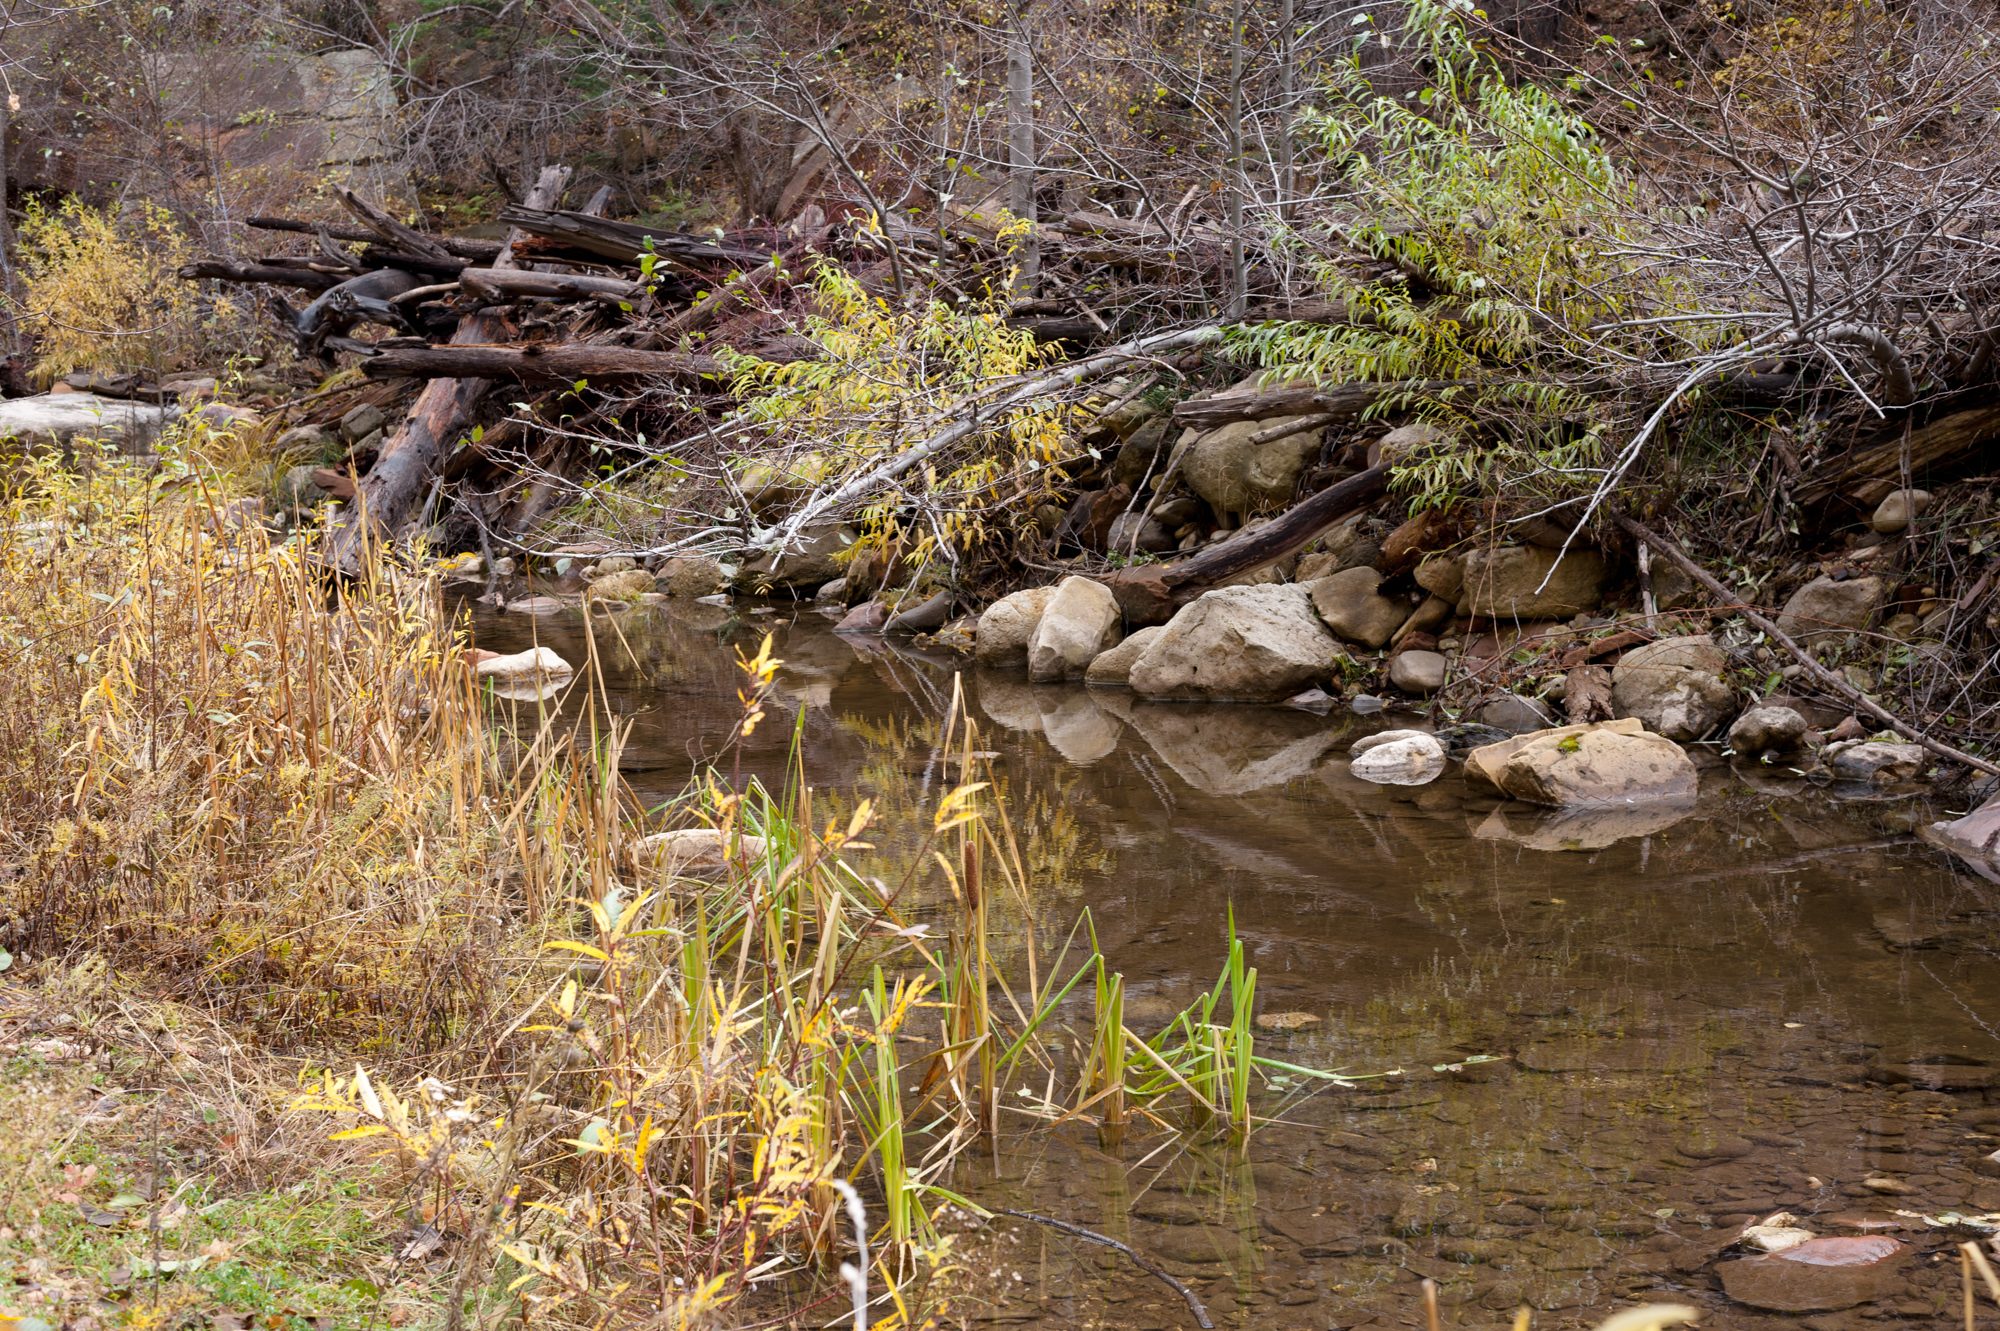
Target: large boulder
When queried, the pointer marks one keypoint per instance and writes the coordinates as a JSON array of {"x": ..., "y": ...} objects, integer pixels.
[
  {"x": 57, "y": 420},
  {"x": 1236, "y": 474},
  {"x": 1354, "y": 609},
  {"x": 693, "y": 575},
  {"x": 1674, "y": 686},
  {"x": 1529, "y": 582},
  {"x": 814, "y": 560},
  {"x": 1612, "y": 763},
  {"x": 1006, "y": 626},
  {"x": 1833, "y": 605},
  {"x": 1112, "y": 668},
  {"x": 1239, "y": 644},
  {"x": 1078, "y": 622}
]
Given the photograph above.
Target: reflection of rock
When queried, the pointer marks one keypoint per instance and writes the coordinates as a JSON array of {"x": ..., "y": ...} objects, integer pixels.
[
  {"x": 1579, "y": 829},
  {"x": 1010, "y": 703},
  {"x": 1227, "y": 752},
  {"x": 1822, "y": 1275},
  {"x": 1077, "y": 728}
]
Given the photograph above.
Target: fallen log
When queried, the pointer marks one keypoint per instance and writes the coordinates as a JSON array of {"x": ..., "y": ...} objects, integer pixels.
[
  {"x": 550, "y": 363},
  {"x": 499, "y": 284},
  {"x": 624, "y": 242},
  {"x": 266, "y": 274},
  {"x": 479, "y": 251},
  {"x": 1338, "y": 401},
  {"x": 1867, "y": 475}
]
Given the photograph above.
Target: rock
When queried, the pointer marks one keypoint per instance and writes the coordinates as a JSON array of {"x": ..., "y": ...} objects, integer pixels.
[
  {"x": 1080, "y": 621},
  {"x": 1007, "y": 624},
  {"x": 1284, "y": 1021},
  {"x": 1381, "y": 737},
  {"x": 628, "y": 585},
  {"x": 299, "y": 490},
  {"x": 1819, "y": 1275},
  {"x": 920, "y": 616},
  {"x": 815, "y": 559},
  {"x": 1775, "y": 1233},
  {"x": 1898, "y": 510},
  {"x": 1989, "y": 1165},
  {"x": 604, "y": 568},
  {"x": 1975, "y": 836},
  {"x": 1613, "y": 763},
  {"x": 1466, "y": 736},
  {"x": 1876, "y": 761},
  {"x": 540, "y": 605},
  {"x": 1442, "y": 575},
  {"x": 534, "y": 663},
  {"x": 1141, "y": 451},
  {"x": 1507, "y": 583},
  {"x": 1514, "y": 714},
  {"x": 1833, "y": 605},
  {"x": 1113, "y": 668},
  {"x": 1430, "y": 617},
  {"x": 1883, "y": 1186},
  {"x": 692, "y": 576},
  {"x": 863, "y": 620},
  {"x": 1235, "y": 475},
  {"x": 313, "y": 441},
  {"x": 55, "y": 421},
  {"x": 958, "y": 636},
  {"x": 1675, "y": 686},
  {"x": 1778, "y": 731},
  {"x": 1136, "y": 533},
  {"x": 696, "y": 852},
  {"x": 1354, "y": 542},
  {"x": 1239, "y": 644},
  {"x": 1403, "y": 443},
  {"x": 361, "y": 421},
  {"x": 1415, "y": 759},
  {"x": 832, "y": 593},
  {"x": 1352, "y": 607},
  {"x": 1418, "y": 672}
]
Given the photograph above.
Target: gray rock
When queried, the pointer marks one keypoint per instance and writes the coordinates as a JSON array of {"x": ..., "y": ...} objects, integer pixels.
[
  {"x": 1137, "y": 533},
  {"x": 361, "y": 421},
  {"x": 1875, "y": 760},
  {"x": 58, "y": 420},
  {"x": 1778, "y": 731},
  {"x": 1142, "y": 451},
  {"x": 1833, "y": 605},
  {"x": 1381, "y": 737},
  {"x": 1615, "y": 763},
  {"x": 864, "y": 620},
  {"x": 313, "y": 441},
  {"x": 1514, "y": 714},
  {"x": 815, "y": 559},
  {"x": 1353, "y": 543},
  {"x": 1413, "y": 759},
  {"x": 1236, "y": 475},
  {"x": 1080, "y": 621},
  {"x": 1674, "y": 686},
  {"x": 604, "y": 568},
  {"x": 1239, "y": 644},
  {"x": 832, "y": 593},
  {"x": 1418, "y": 672},
  {"x": 1529, "y": 582},
  {"x": 1112, "y": 669},
  {"x": 1402, "y": 444},
  {"x": 1442, "y": 575},
  {"x": 920, "y": 616},
  {"x": 298, "y": 492},
  {"x": 692, "y": 576},
  {"x": 1352, "y": 607},
  {"x": 1898, "y": 510},
  {"x": 1007, "y": 624}
]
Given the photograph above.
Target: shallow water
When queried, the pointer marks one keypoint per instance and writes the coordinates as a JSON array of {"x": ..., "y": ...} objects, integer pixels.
[{"x": 1755, "y": 1008}]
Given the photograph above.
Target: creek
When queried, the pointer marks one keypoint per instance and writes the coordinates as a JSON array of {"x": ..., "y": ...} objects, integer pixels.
[{"x": 1782, "y": 1001}]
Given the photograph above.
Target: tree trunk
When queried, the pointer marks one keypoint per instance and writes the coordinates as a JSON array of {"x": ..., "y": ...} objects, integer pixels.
[{"x": 1021, "y": 149}]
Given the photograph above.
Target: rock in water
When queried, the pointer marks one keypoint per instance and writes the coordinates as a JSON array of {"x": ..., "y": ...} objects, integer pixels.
[
  {"x": 1674, "y": 686},
  {"x": 1528, "y": 582},
  {"x": 1779, "y": 731},
  {"x": 1417, "y": 672},
  {"x": 1236, "y": 475},
  {"x": 1898, "y": 510},
  {"x": 1239, "y": 644},
  {"x": 1875, "y": 760},
  {"x": 693, "y": 576},
  {"x": 696, "y": 851},
  {"x": 1415, "y": 759},
  {"x": 1080, "y": 621},
  {"x": 1007, "y": 624},
  {"x": 627, "y": 585},
  {"x": 1113, "y": 668},
  {"x": 1615, "y": 763},
  {"x": 1831, "y": 605},
  {"x": 1354, "y": 609},
  {"x": 1819, "y": 1275},
  {"x": 531, "y": 664}
]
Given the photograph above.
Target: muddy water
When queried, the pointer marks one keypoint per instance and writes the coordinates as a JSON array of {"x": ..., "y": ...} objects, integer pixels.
[{"x": 1780, "y": 1002}]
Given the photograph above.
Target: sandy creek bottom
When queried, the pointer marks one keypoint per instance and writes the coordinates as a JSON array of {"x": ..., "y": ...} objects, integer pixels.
[{"x": 1755, "y": 1008}]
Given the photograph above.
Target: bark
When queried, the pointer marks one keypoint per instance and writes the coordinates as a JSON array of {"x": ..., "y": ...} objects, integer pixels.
[
  {"x": 622, "y": 242},
  {"x": 553, "y": 363},
  {"x": 268, "y": 274},
  {"x": 1340, "y": 401},
  {"x": 1868, "y": 474},
  {"x": 479, "y": 251},
  {"x": 500, "y": 284}
]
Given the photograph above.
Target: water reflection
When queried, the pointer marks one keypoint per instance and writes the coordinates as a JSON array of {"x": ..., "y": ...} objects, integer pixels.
[{"x": 1708, "y": 1015}]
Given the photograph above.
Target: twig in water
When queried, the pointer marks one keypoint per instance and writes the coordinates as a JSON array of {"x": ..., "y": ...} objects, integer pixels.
[{"x": 1139, "y": 1259}]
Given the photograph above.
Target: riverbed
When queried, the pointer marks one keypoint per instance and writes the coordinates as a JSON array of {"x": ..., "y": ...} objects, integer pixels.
[{"x": 1620, "y": 1042}]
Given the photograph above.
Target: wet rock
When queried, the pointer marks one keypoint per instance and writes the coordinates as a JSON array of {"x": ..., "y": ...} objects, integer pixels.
[
  {"x": 920, "y": 616},
  {"x": 814, "y": 559},
  {"x": 1418, "y": 672},
  {"x": 1239, "y": 644},
  {"x": 1989, "y": 1165},
  {"x": 1353, "y": 608},
  {"x": 1080, "y": 621},
  {"x": 1113, "y": 668},
  {"x": 1528, "y": 582},
  {"x": 1875, "y": 761},
  {"x": 536, "y": 662},
  {"x": 1777, "y": 1233},
  {"x": 1614, "y": 763},
  {"x": 624, "y": 585},
  {"x": 1514, "y": 714},
  {"x": 1777, "y": 731},
  {"x": 1675, "y": 686},
  {"x": 1898, "y": 510},
  {"x": 1820, "y": 1275},
  {"x": 1007, "y": 624},
  {"x": 1236, "y": 475},
  {"x": 1415, "y": 759},
  {"x": 693, "y": 576},
  {"x": 958, "y": 636},
  {"x": 696, "y": 852},
  {"x": 1466, "y": 736},
  {"x": 540, "y": 605},
  {"x": 870, "y": 617},
  {"x": 1381, "y": 737},
  {"x": 1137, "y": 533},
  {"x": 832, "y": 593},
  {"x": 1833, "y": 605},
  {"x": 1285, "y": 1021},
  {"x": 1883, "y": 1186}
]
